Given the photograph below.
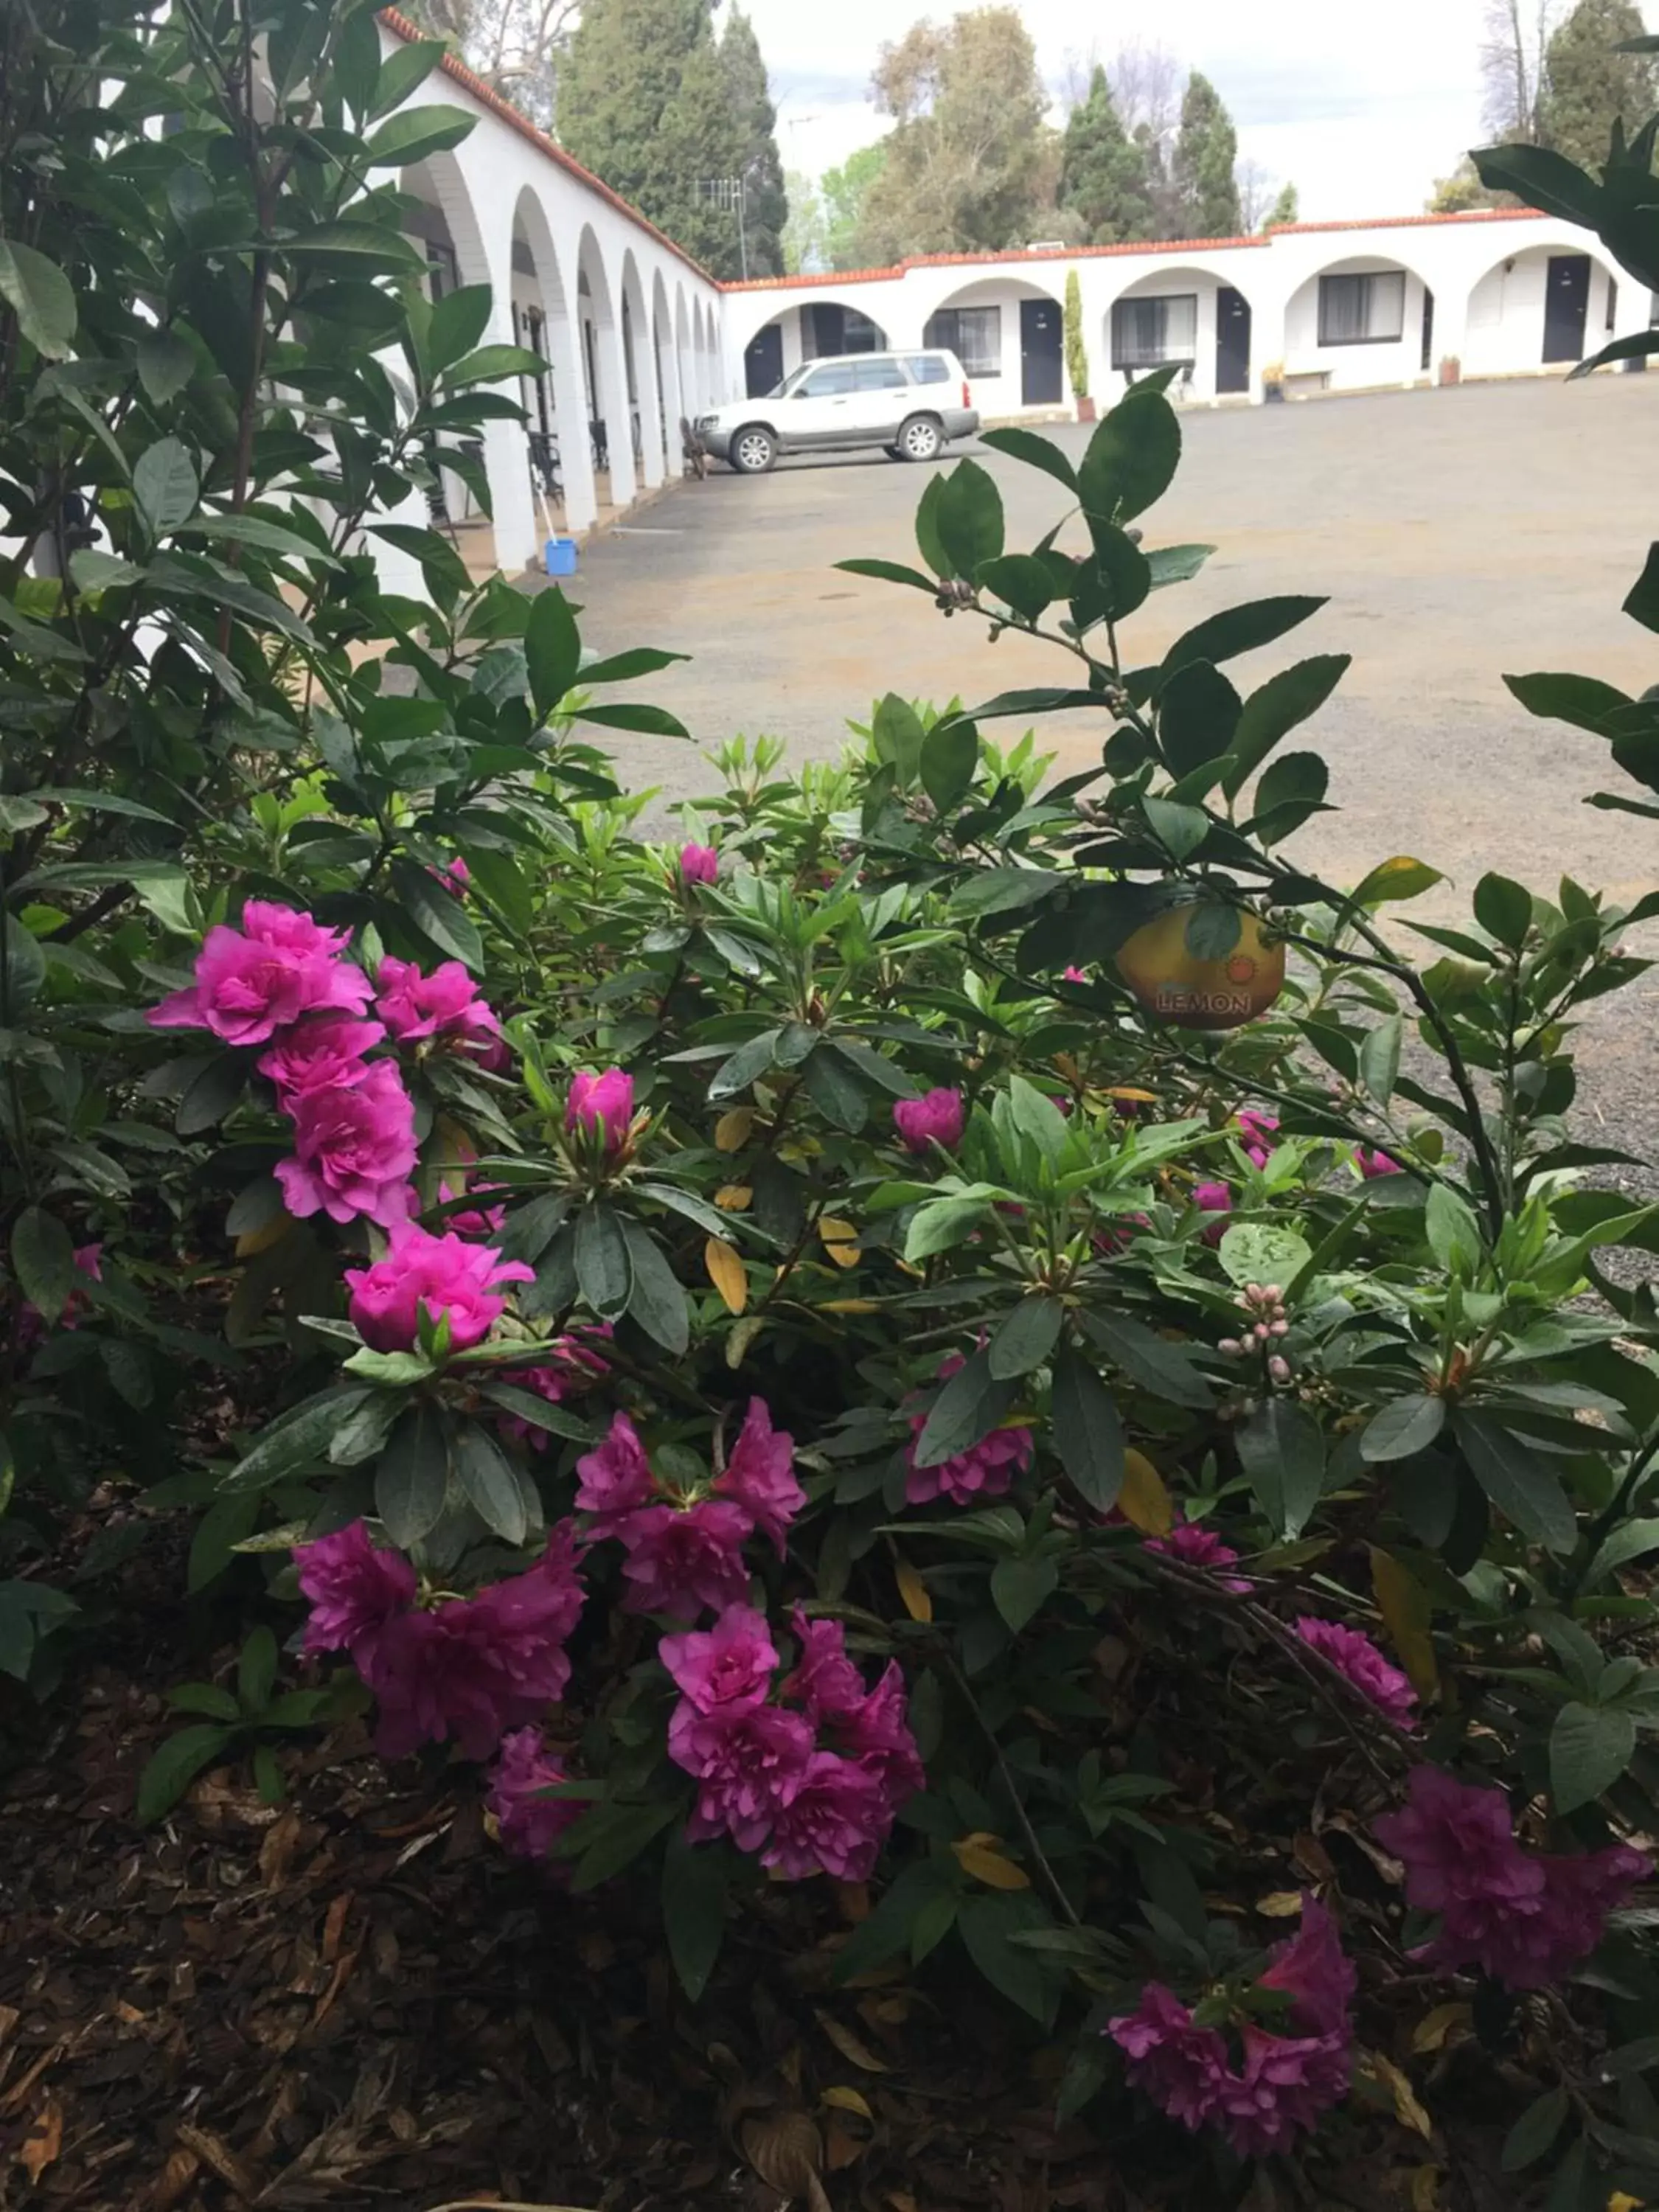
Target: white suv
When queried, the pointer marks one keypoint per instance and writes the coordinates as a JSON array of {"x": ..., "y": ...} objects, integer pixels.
[{"x": 909, "y": 403}]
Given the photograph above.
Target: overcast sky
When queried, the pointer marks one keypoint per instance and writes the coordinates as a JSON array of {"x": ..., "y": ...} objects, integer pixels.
[{"x": 1362, "y": 103}]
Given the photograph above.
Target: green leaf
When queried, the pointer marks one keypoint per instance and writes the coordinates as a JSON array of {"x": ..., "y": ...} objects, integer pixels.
[
  {"x": 1503, "y": 910},
  {"x": 1400, "y": 878},
  {"x": 165, "y": 486},
  {"x": 1149, "y": 1359},
  {"x": 1179, "y": 829},
  {"x": 492, "y": 364},
  {"x": 1024, "y": 1338},
  {"x": 43, "y": 1261},
  {"x": 1212, "y": 931},
  {"x": 1634, "y": 1541},
  {"x": 1292, "y": 789},
  {"x": 1523, "y": 1490},
  {"x": 656, "y": 1301},
  {"x": 1198, "y": 715},
  {"x": 1583, "y": 700},
  {"x": 969, "y": 1407},
  {"x": 254, "y": 529},
  {"x": 1262, "y": 1252},
  {"x": 1590, "y": 1746},
  {"x": 898, "y": 737},
  {"x": 936, "y": 1227},
  {"x": 415, "y": 132},
  {"x": 612, "y": 1836},
  {"x": 1540, "y": 178},
  {"x": 207, "y": 1700},
  {"x": 1120, "y": 578},
  {"x": 1176, "y": 564},
  {"x": 1641, "y": 602},
  {"x": 552, "y": 650},
  {"x": 604, "y": 1273},
  {"x": 458, "y": 323},
  {"x": 634, "y": 715},
  {"x": 968, "y": 519},
  {"x": 361, "y": 1435},
  {"x": 1037, "y": 1116},
  {"x": 1282, "y": 1452},
  {"x": 412, "y": 1479},
  {"x": 1036, "y": 453},
  {"x": 1273, "y": 710},
  {"x": 1022, "y": 1975},
  {"x": 1020, "y": 582},
  {"x": 696, "y": 1880},
  {"x": 1453, "y": 1232},
  {"x": 403, "y": 70},
  {"x": 438, "y": 914},
  {"x": 1379, "y": 1058},
  {"x": 23, "y": 966},
  {"x": 1087, "y": 1433},
  {"x": 927, "y": 538},
  {"x": 1131, "y": 460},
  {"x": 529, "y": 1406},
  {"x": 40, "y": 296},
  {"x": 836, "y": 1088},
  {"x": 1402, "y": 1428},
  {"x": 1021, "y": 1588},
  {"x": 1535, "y": 2131},
  {"x": 175, "y": 1766},
  {"x": 750, "y": 1060},
  {"x": 256, "y": 1670},
  {"x": 1239, "y": 629},
  {"x": 486, "y": 1476},
  {"x": 37, "y": 638},
  {"x": 357, "y": 62},
  {"x": 891, "y": 572},
  {"x": 166, "y": 362}
]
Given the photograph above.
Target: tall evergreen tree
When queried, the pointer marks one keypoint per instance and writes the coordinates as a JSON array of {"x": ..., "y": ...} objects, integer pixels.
[
  {"x": 1103, "y": 173},
  {"x": 845, "y": 191},
  {"x": 626, "y": 63},
  {"x": 1287, "y": 208},
  {"x": 748, "y": 96},
  {"x": 1587, "y": 86},
  {"x": 1207, "y": 148},
  {"x": 696, "y": 152}
]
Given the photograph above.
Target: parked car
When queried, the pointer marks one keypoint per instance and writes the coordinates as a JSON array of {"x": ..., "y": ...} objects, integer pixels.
[{"x": 907, "y": 403}]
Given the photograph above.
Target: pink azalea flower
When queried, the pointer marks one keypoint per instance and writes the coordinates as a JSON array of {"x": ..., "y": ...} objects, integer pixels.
[
  {"x": 89, "y": 1261},
  {"x": 699, "y": 864},
  {"x": 984, "y": 1470},
  {"x": 1072, "y": 974},
  {"x": 725, "y": 1667},
  {"x": 681, "y": 1561},
  {"x": 475, "y": 1668},
  {"x": 1198, "y": 1546},
  {"x": 251, "y": 981},
  {"x": 1457, "y": 1843},
  {"x": 476, "y": 1220},
  {"x": 749, "y": 1763},
  {"x": 1357, "y": 1658},
  {"x": 454, "y": 875},
  {"x": 444, "y": 1004},
  {"x": 1314, "y": 1971},
  {"x": 760, "y": 1475},
  {"x": 325, "y": 1053},
  {"x": 354, "y": 1151},
  {"x": 1256, "y": 1133},
  {"x": 355, "y": 1591},
  {"x": 1213, "y": 1197},
  {"x": 877, "y": 1734},
  {"x": 834, "y": 1822},
  {"x": 614, "y": 1479},
  {"x": 601, "y": 1105},
  {"x": 529, "y": 1824},
  {"x": 436, "y": 1276},
  {"x": 825, "y": 1681},
  {"x": 940, "y": 1118},
  {"x": 1178, "y": 2066},
  {"x": 1371, "y": 1163},
  {"x": 1287, "y": 2083}
]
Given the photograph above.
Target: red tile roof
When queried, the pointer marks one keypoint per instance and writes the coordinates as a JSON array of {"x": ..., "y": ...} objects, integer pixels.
[{"x": 453, "y": 66}]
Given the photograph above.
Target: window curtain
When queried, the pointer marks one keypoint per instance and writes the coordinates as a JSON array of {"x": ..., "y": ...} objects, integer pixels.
[{"x": 1146, "y": 332}]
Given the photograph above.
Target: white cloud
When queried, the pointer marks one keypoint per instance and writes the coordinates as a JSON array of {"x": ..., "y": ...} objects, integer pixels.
[{"x": 1363, "y": 106}]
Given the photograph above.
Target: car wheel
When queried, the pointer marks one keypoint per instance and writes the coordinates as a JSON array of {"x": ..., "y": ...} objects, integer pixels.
[
  {"x": 754, "y": 450},
  {"x": 920, "y": 439}
]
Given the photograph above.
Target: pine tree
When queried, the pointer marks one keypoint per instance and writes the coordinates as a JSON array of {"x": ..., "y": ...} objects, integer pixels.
[
  {"x": 696, "y": 152},
  {"x": 1102, "y": 174},
  {"x": 1287, "y": 208},
  {"x": 1206, "y": 192},
  {"x": 749, "y": 96},
  {"x": 625, "y": 68},
  {"x": 1587, "y": 86}
]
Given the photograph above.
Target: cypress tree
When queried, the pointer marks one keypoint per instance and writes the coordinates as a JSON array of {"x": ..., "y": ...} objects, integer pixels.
[
  {"x": 1587, "y": 86},
  {"x": 1103, "y": 173},
  {"x": 624, "y": 69},
  {"x": 749, "y": 97},
  {"x": 1206, "y": 191}
]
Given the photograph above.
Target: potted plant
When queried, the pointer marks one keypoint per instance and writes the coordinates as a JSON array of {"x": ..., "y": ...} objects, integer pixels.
[
  {"x": 1272, "y": 382},
  {"x": 1077, "y": 353},
  {"x": 1451, "y": 368}
]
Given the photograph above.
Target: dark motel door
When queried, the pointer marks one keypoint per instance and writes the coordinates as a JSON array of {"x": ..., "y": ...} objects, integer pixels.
[
  {"x": 1566, "y": 301},
  {"x": 1039, "y": 353},
  {"x": 763, "y": 362},
  {"x": 1232, "y": 341}
]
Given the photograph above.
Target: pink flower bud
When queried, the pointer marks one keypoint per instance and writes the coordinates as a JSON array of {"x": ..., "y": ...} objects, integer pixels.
[
  {"x": 699, "y": 864},
  {"x": 940, "y": 1118},
  {"x": 601, "y": 1105},
  {"x": 1279, "y": 1368}
]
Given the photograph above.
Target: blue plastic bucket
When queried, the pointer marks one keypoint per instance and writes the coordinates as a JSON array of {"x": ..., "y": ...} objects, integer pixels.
[{"x": 560, "y": 557}]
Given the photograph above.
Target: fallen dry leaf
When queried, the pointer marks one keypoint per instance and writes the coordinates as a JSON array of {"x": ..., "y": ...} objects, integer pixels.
[
  {"x": 913, "y": 1592},
  {"x": 1425, "y": 2189},
  {"x": 784, "y": 2150},
  {"x": 731, "y": 1130},
  {"x": 1143, "y": 1500},
  {"x": 1432, "y": 2031},
  {"x": 1407, "y": 2110},
  {"x": 1281, "y": 1904},
  {"x": 850, "y": 2046},
  {"x": 975, "y": 1855},
  {"x": 848, "y": 2100},
  {"x": 44, "y": 2141}
]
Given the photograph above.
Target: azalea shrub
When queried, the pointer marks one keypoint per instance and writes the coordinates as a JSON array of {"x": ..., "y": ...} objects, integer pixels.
[{"x": 983, "y": 1365}]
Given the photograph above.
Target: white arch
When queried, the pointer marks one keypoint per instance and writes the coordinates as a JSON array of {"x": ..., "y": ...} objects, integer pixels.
[
  {"x": 640, "y": 359},
  {"x": 1504, "y": 312},
  {"x": 1189, "y": 328},
  {"x": 1337, "y": 364},
  {"x": 531, "y": 225},
  {"x": 605, "y": 377},
  {"x": 684, "y": 360},
  {"x": 668, "y": 379}
]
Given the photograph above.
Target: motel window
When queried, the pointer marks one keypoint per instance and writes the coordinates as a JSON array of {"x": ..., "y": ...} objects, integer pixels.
[
  {"x": 973, "y": 334},
  {"x": 1148, "y": 332},
  {"x": 1368, "y": 310}
]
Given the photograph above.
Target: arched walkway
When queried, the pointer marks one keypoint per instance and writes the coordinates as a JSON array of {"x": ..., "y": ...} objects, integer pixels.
[
  {"x": 605, "y": 376},
  {"x": 640, "y": 366},
  {"x": 1009, "y": 335},
  {"x": 672, "y": 404},
  {"x": 1189, "y": 313},
  {"x": 1365, "y": 320},
  {"x": 553, "y": 402},
  {"x": 1545, "y": 307},
  {"x": 806, "y": 331}
]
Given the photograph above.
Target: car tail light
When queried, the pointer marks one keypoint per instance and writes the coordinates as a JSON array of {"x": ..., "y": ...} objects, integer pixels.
[{"x": 967, "y": 396}]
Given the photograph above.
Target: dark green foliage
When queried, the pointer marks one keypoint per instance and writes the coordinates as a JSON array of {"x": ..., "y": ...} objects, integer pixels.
[
  {"x": 1588, "y": 85},
  {"x": 749, "y": 98},
  {"x": 1102, "y": 174},
  {"x": 1201, "y": 172}
]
